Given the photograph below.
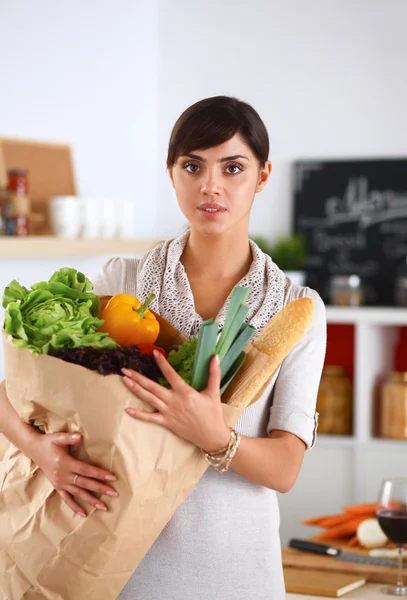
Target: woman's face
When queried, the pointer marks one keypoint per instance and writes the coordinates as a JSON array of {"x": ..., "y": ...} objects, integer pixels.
[{"x": 216, "y": 187}]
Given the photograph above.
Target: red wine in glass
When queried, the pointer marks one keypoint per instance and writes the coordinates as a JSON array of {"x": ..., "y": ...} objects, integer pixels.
[
  {"x": 394, "y": 525},
  {"x": 392, "y": 516}
]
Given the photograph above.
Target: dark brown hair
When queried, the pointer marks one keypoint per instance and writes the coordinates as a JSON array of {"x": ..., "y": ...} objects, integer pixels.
[{"x": 216, "y": 120}]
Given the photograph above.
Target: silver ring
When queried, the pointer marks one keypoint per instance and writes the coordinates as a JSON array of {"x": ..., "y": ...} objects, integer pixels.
[{"x": 74, "y": 479}]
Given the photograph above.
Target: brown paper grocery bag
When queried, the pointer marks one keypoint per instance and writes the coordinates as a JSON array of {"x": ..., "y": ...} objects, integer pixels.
[{"x": 47, "y": 551}]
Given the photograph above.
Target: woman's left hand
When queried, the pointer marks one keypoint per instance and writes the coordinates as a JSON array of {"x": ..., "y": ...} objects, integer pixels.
[{"x": 194, "y": 416}]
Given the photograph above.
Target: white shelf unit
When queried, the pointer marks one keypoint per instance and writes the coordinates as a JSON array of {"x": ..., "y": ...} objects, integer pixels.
[
  {"x": 344, "y": 470},
  {"x": 48, "y": 246}
]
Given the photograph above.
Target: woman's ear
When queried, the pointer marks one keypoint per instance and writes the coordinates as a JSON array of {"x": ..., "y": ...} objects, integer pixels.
[{"x": 265, "y": 173}]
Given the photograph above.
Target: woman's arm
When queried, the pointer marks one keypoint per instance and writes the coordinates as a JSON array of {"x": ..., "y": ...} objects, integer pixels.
[
  {"x": 22, "y": 435},
  {"x": 273, "y": 462},
  {"x": 50, "y": 452},
  {"x": 276, "y": 462}
]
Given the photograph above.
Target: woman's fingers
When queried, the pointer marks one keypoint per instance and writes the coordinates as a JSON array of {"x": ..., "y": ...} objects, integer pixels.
[
  {"x": 214, "y": 380},
  {"x": 69, "y": 501},
  {"x": 95, "y": 486},
  {"x": 142, "y": 415},
  {"x": 145, "y": 395},
  {"x": 148, "y": 384},
  {"x": 65, "y": 439},
  {"x": 81, "y": 468},
  {"x": 175, "y": 380},
  {"x": 83, "y": 495}
]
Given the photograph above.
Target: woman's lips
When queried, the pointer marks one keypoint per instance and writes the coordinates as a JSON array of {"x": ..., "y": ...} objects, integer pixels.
[{"x": 211, "y": 210}]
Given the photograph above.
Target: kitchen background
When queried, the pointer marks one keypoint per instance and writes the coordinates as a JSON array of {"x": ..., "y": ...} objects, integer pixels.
[{"x": 328, "y": 78}]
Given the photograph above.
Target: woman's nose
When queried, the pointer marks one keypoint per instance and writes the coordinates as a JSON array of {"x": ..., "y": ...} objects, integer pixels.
[{"x": 211, "y": 186}]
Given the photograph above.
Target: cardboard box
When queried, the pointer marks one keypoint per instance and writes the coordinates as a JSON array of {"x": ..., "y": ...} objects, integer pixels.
[{"x": 50, "y": 174}]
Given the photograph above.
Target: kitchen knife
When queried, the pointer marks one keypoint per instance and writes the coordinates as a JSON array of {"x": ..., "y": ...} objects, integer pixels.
[{"x": 338, "y": 554}]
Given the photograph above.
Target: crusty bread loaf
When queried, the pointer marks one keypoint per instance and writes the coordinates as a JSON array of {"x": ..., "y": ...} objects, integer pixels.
[{"x": 268, "y": 350}]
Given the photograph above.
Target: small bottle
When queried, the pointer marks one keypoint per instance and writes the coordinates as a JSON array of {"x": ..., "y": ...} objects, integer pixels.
[{"x": 17, "y": 210}]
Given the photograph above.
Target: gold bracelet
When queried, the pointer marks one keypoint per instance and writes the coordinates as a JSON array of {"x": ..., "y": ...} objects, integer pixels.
[
  {"x": 221, "y": 463},
  {"x": 222, "y": 450}
]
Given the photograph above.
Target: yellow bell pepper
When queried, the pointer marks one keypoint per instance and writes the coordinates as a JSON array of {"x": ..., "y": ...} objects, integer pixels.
[{"x": 128, "y": 321}]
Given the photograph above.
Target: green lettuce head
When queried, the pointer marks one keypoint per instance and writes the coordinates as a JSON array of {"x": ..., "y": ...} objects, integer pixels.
[{"x": 54, "y": 314}]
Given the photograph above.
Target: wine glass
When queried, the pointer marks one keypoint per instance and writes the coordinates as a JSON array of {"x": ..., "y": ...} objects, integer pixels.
[{"x": 391, "y": 513}]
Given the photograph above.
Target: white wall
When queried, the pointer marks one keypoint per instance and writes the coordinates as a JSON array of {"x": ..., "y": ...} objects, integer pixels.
[
  {"x": 327, "y": 77},
  {"x": 86, "y": 73}
]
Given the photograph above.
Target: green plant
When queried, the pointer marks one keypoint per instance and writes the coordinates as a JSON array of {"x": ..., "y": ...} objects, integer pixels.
[{"x": 289, "y": 252}]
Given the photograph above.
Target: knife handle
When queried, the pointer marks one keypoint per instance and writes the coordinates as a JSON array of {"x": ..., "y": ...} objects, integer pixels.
[{"x": 313, "y": 547}]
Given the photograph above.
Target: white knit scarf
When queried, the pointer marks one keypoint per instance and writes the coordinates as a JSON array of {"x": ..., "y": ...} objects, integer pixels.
[{"x": 161, "y": 272}]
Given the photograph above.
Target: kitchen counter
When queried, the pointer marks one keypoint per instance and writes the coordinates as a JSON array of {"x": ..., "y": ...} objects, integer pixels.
[{"x": 370, "y": 591}]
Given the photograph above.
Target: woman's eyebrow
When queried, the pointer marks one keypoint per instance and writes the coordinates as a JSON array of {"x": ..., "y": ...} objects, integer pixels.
[
  {"x": 225, "y": 159},
  {"x": 234, "y": 157}
]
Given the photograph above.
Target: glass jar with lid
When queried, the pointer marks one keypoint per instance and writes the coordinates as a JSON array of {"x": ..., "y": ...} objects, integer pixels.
[
  {"x": 335, "y": 402},
  {"x": 393, "y": 406},
  {"x": 346, "y": 290}
]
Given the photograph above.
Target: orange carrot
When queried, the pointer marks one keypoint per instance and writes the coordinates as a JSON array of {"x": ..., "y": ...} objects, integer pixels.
[
  {"x": 353, "y": 541},
  {"x": 346, "y": 529},
  {"x": 329, "y": 522},
  {"x": 359, "y": 509},
  {"x": 313, "y": 521}
]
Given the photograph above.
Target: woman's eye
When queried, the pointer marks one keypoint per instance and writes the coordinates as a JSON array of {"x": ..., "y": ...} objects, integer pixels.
[
  {"x": 233, "y": 169},
  {"x": 190, "y": 167}
]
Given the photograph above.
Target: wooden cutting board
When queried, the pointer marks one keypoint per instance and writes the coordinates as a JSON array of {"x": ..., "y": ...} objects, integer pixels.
[
  {"x": 317, "y": 583},
  {"x": 308, "y": 560}
]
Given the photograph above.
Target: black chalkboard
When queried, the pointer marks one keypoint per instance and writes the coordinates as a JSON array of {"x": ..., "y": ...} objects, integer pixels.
[{"x": 353, "y": 215}]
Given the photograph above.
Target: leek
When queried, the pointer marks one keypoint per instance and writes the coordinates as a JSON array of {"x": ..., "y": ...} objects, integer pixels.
[
  {"x": 235, "y": 349},
  {"x": 205, "y": 351},
  {"x": 239, "y": 297}
]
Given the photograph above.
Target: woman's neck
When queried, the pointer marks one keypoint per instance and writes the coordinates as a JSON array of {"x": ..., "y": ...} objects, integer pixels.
[{"x": 226, "y": 256}]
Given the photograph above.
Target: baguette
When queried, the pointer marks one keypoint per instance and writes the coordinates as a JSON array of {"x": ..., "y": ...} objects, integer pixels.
[{"x": 267, "y": 351}]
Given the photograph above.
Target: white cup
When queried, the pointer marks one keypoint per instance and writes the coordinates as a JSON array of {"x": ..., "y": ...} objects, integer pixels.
[
  {"x": 110, "y": 221},
  {"x": 92, "y": 216},
  {"x": 127, "y": 219},
  {"x": 65, "y": 216}
]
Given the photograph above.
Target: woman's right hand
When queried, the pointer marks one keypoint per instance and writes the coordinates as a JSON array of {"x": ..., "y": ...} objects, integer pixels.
[{"x": 70, "y": 477}]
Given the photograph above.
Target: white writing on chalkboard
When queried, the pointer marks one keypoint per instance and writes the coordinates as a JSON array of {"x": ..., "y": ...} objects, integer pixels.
[
  {"x": 324, "y": 241},
  {"x": 358, "y": 204}
]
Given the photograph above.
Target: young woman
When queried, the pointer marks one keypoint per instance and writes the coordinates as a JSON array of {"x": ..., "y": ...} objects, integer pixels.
[{"x": 223, "y": 542}]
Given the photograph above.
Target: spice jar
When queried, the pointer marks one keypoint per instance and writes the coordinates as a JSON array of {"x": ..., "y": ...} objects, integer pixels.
[
  {"x": 393, "y": 406},
  {"x": 335, "y": 402},
  {"x": 17, "y": 210},
  {"x": 346, "y": 290}
]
